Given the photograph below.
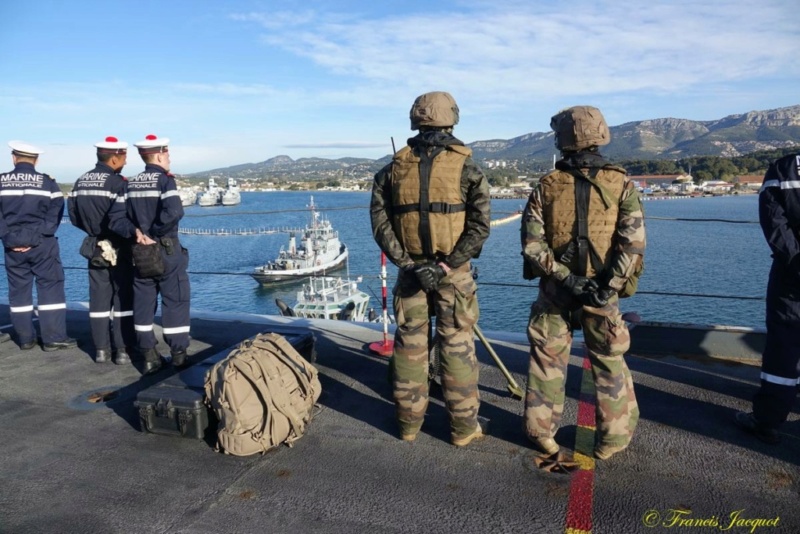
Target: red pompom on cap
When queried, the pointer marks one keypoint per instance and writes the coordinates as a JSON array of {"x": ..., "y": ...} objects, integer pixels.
[
  {"x": 112, "y": 145},
  {"x": 152, "y": 144}
]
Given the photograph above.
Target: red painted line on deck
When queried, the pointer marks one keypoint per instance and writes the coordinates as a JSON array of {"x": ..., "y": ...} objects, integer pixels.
[{"x": 581, "y": 488}]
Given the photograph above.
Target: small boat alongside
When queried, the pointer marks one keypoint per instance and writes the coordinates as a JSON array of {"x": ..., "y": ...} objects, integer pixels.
[
  {"x": 319, "y": 252},
  {"x": 231, "y": 196},
  {"x": 330, "y": 297}
]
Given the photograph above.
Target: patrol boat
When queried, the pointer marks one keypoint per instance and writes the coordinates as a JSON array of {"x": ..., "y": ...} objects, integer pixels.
[
  {"x": 319, "y": 252},
  {"x": 211, "y": 196},
  {"x": 187, "y": 195},
  {"x": 330, "y": 297},
  {"x": 231, "y": 196}
]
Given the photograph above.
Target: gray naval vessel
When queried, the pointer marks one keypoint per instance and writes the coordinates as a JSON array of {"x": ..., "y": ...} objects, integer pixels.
[{"x": 73, "y": 465}]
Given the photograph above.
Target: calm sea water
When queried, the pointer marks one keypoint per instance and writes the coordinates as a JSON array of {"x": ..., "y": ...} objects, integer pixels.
[{"x": 682, "y": 257}]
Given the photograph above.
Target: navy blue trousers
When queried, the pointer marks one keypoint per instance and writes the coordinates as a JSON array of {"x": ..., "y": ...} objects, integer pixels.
[
  {"x": 173, "y": 286},
  {"x": 779, "y": 374},
  {"x": 111, "y": 303},
  {"x": 779, "y": 363},
  {"x": 43, "y": 265}
]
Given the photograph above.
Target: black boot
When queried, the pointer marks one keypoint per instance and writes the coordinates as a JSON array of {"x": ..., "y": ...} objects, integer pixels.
[
  {"x": 152, "y": 361},
  {"x": 748, "y": 422},
  {"x": 66, "y": 343},
  {"x": 102, "y": 356},
  {"x": 180, "y": 359},
  {"x": 122, "y": 357}
]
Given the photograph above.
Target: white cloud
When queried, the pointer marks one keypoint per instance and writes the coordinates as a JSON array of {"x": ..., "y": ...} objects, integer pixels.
[{"x": 528, "y": 50}]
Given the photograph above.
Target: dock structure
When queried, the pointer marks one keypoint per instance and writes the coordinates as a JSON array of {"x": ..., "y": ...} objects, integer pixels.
[{"x": 72, "y": 465}]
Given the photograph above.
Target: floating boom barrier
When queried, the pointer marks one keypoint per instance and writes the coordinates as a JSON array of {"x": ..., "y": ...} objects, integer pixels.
[{"x": 238, "y": 231}]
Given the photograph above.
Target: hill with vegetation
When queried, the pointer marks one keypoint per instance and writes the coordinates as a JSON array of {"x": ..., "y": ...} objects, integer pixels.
[{"x": 719, "y": 149}]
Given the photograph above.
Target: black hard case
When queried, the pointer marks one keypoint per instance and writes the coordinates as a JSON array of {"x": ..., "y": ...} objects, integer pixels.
[{"x": 175, "y": 407}]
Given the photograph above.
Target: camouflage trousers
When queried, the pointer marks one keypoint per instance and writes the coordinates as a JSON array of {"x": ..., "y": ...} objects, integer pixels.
[
  {"x": 607, "y": 339},
  {"x": 455, "y": 304}
]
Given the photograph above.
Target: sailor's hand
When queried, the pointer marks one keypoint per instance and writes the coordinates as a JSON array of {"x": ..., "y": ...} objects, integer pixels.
[
  {"x": 21, "y": 249},
  {"x": 143, "y": 239}
]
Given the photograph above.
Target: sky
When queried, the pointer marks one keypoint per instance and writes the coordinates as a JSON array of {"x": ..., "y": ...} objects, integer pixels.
[{"x": 243, "y": 81}]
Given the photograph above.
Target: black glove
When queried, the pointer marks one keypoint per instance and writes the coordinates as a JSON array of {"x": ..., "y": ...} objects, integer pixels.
[
  {"x": 429, "y": 276},
  {"x": 581, "y": 288},
  {"x": 600, "y": 297}
]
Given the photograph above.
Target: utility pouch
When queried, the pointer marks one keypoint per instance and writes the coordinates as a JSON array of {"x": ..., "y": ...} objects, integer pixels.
[
  {"x": 147, "y": 260},
  {"x": 166, "y": 242},
  {"x": 88, "y": 247}
]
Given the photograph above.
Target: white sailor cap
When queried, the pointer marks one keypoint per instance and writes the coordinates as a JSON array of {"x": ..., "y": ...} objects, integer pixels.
[
  {"x": 112, "y": 145},
  {"x": 152, "y": 144},
  {"x": 21, "y": 148}
]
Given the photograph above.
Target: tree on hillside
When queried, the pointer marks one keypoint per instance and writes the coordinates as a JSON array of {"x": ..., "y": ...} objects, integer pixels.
[{"x": 701, "y": 176}]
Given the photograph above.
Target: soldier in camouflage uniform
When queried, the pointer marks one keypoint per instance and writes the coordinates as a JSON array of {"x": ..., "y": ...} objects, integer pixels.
[
  {"x": 583, "y": 233},
  {"x": 430, "y": 214}
]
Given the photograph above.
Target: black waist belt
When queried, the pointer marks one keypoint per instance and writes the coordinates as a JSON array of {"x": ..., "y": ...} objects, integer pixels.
[{"x": 433, "y": 207}]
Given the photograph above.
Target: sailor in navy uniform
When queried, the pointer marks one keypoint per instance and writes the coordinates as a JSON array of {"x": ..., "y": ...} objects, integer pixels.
[
  {"x": 110, "y": 282},
  {"x": 154, "y": 207},
  {"x": 31, "y": 207},
  {"x": 779, "y": 215}
]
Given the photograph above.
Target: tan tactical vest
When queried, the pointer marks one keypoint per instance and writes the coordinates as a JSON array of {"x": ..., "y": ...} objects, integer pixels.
[
  {"x": 558, "y": 196},
  {"x": 446, "y": 214}
]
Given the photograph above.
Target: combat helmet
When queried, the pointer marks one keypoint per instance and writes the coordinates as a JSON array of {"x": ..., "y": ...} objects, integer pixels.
[
  {"x": 438, "y": 109},
  {"x": 579, "y": 127}
]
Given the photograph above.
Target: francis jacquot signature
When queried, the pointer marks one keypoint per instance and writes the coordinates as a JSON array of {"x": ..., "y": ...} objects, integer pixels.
[{"x": 684, "y": 519}]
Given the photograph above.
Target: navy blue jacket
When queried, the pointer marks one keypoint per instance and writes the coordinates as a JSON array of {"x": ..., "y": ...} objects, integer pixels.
[
  {"x": 93, "y": 197},
  {"x": 152, "y": 203},
  {"x": 779, "y": 208},
  {"x": 31, "y": 206},
  {"x": 779, "y": 214}
]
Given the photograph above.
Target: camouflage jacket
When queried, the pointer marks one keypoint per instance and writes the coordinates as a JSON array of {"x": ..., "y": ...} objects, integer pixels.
[
  {"x": 629, "y": 240},
  {"x": 474, "y": 192}
]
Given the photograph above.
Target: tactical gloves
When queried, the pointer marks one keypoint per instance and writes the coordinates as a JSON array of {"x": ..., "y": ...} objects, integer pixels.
[
  {"x": 581, "y": 288},
  {"x": 600, "y": 297},
  {"x": 429, "y": 276}
]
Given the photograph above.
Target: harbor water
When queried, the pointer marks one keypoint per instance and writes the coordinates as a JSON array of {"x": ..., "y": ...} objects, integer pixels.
[{"x": 683, "y": 257}]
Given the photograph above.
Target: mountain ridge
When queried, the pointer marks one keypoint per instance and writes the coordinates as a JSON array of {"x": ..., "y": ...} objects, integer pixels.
[{"x": 660, "y": 138}]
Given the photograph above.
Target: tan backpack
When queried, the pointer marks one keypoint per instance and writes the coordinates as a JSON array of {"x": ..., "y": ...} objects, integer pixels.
[{"x": 262, "y": 393}]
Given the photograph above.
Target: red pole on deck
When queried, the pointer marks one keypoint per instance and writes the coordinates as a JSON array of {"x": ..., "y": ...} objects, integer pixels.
[{"x": 386, "y": 347}]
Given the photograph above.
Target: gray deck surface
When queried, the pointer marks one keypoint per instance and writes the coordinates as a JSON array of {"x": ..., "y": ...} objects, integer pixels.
[{"x": 69, "y": 466}]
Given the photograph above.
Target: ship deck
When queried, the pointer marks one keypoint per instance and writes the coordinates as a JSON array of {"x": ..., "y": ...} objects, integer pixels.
[{"x": 72, "y": 466}]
